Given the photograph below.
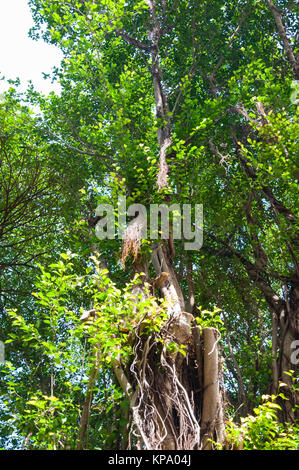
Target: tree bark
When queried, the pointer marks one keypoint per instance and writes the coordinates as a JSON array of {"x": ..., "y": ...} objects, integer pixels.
[
  {"x": 88, "y": 399},
  {"x": 161, "y": 382},
  {"x": 212, "y": 423},
  {"x": 286, "y": 43}
]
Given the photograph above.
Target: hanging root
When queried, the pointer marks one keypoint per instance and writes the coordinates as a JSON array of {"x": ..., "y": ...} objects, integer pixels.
[
  {"x": 165, "y": 413},
  {"x": 132, "y": 240}
]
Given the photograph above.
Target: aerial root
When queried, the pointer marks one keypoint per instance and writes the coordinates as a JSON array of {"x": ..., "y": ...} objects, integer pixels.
[{"x": 163, "y": 416}]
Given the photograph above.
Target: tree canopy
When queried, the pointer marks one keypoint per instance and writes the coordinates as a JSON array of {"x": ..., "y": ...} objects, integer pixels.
[{"x": 114, "y": 343}]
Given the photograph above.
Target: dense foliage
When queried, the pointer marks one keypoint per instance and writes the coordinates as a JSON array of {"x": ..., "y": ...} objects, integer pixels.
[{"x": 227, "y": 74}]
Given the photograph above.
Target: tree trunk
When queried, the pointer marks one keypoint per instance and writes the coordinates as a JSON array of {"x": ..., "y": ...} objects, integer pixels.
[
  {"x": 173, "y": 395},
  {"x": 162, "y": 382},
  {"x": 286, "y": 43},
  {"x": 212, "y": 423}
]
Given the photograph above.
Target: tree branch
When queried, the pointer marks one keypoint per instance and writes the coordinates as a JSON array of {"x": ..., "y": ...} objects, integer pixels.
[
  {"x": 286, "y": 43},
  {"x": 134, "y": 42}
]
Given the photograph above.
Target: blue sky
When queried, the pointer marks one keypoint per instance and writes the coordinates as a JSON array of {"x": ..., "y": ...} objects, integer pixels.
[{"x": 20, "y": 56}]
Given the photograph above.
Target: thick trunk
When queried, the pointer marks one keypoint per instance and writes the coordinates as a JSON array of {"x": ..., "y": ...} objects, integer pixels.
[
  {"x": 172, "y": 393},
  {"x": 189, "y": 397},
  {"x": 212, "y": 423},
  {"x": 162, "y": 383},
  {"x": 175, "y": 384}
]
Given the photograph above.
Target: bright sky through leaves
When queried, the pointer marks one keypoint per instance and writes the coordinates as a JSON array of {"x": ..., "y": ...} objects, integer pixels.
[{"x": 20, "y": 55}]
